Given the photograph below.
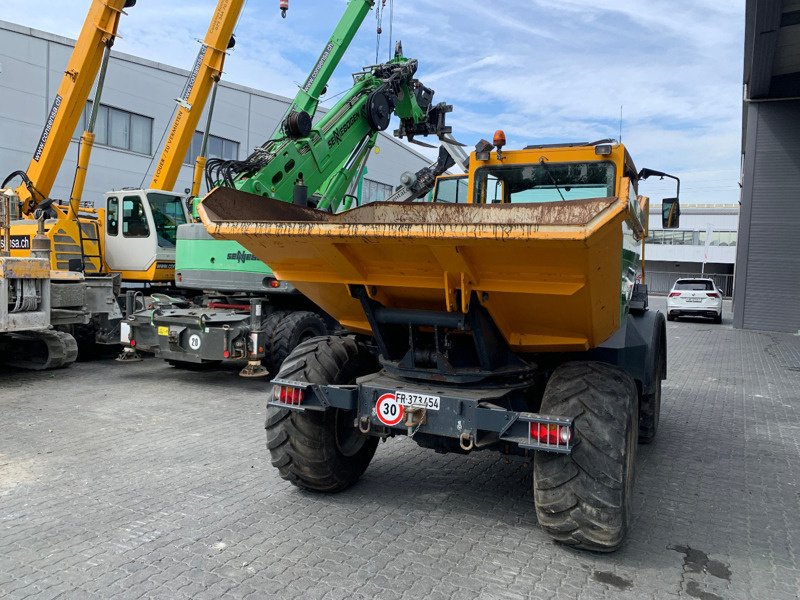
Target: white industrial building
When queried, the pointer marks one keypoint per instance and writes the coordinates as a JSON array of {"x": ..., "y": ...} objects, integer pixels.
[
  {"x": 705, "y": 243},
  {"x": 137, "y": 108}
]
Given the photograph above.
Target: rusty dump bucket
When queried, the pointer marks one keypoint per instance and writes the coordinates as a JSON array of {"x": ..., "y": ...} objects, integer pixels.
[{"x": 549, "y": 274}]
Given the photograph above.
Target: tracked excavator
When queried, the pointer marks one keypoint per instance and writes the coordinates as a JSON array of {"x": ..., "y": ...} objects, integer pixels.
[
  {"x": 133, "y": 232},
  {"x": 131, "y": 237},
  {"x": 251, "y": 315},
  {"x": 41, "y": 286}
]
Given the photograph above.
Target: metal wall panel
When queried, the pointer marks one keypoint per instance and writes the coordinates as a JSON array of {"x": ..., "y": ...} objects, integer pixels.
[{"x": 769, "y": 251}]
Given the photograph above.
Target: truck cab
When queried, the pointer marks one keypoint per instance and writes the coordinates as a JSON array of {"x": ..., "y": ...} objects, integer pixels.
[{"x": 141, "y": 228}]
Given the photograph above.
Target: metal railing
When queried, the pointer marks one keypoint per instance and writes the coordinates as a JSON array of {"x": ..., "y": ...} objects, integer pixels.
[{"x": 659, "y": 282}]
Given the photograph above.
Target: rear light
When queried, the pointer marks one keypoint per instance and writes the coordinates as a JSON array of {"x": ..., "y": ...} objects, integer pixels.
[
  {"x": 550, "y": 433},
  {"x": 133, "y": 343},
  {"x": 226, "y": 354},
  {"x": 274, "y": 284},
  {"x": 674, "y": 294},
  {"x": 712, "y": 294},
  {"x": 286, "y": 394}
]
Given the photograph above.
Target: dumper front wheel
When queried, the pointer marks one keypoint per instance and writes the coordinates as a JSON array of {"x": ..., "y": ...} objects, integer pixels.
[
  {"x": 583, "y": 499},
  {"x": 291, "y": 329},
  {"x": 321, "y": 451}
]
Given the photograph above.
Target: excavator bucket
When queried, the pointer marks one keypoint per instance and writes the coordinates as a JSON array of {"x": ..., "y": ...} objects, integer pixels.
[{"x": 553, "y": 276}]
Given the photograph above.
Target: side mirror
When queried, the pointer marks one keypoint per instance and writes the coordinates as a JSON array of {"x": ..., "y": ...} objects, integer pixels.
[{"x": 670, "y": 213}]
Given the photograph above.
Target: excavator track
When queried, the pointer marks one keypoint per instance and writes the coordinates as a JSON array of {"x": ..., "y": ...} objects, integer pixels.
[{"x": 41, "y": 350}]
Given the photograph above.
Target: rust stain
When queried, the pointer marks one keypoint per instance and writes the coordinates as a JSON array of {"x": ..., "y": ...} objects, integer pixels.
[
  {"x": 24, "y": 268},
  {"x": 234, "y": 207},
  {"x": 230, "y": 214}
]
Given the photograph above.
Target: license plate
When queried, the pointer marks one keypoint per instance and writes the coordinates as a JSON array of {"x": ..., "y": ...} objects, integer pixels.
[
  {"x": 694, "y": 299},
  {"x": 420, "y": 400},
  {"x": 163, "y": 331}
]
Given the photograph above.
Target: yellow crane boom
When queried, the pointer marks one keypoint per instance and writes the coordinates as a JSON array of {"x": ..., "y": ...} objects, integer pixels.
[
  {"x": 99, "y": 30},
  {"x": 206, "y": 71}
]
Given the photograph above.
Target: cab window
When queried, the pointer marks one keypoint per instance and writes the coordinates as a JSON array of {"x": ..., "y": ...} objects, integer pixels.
[
  {"x": 452, "y": 189},
  {"x": 168, "y": 213},
  {"x": 112, "y": 216},
  {"x": 134, "y": 219},
  {"x": 544, "y": 182}
]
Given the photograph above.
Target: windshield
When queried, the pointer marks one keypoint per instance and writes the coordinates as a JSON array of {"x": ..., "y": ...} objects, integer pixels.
[
  {"x": 694, "y": 284},
  {"x": 167, "y": 214},
  {"x": 544, "y": 182}
]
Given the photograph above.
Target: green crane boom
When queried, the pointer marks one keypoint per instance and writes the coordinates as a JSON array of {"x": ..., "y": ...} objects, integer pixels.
[{"x": 309, "y": 156}]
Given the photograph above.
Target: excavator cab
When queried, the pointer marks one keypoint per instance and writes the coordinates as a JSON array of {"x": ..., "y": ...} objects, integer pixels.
[{"x": 141, "y": 231}]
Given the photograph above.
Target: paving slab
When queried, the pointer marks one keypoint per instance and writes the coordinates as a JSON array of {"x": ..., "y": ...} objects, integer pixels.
[{"x": 146, "y": 481}]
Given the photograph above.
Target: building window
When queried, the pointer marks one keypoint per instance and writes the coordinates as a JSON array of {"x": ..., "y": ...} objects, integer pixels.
[
  {"x": 217, "y": 148},
  {"x": 374, "y": 191},
  {"x": 691, "y": 238},
  {"x": 119, "y": 129}
]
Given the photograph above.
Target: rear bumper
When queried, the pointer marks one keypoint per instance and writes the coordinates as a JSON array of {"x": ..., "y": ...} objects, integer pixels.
[
  {"x": 469, "y": 418},
  {"x": 703, "y": 311},
  {"x": 231, "y": 281},
  {"x": 191, "y": 336}
]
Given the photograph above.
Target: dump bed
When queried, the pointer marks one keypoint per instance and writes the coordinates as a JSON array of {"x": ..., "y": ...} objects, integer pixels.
[{"x": 553, "y": 276}]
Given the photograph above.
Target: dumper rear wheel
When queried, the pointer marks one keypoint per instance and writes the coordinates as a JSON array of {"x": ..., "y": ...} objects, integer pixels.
[
  {"x": 583, "y": 499},
  {"x": 321, "y": 451}
]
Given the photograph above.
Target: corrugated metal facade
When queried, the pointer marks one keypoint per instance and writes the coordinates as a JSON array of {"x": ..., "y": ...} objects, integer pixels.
[{"x": 767, "y": 295}]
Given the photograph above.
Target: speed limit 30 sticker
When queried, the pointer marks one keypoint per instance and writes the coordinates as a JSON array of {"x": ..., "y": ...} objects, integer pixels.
[{"x": 388, "y": 410}]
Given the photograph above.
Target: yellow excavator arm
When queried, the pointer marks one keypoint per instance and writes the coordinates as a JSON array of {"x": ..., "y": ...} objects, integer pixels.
[
  {"x": 207, "y": 70},
  {"x": 99, "y": 30}
]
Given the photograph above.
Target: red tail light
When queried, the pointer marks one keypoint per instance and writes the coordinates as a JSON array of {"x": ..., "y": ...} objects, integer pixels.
[
  {"x": 674, "y": 294},
  {"x": 133, "y": 343},
  {"x": 288, "y": 395},
  {"x": 551, "y": 433},
  {"x": 712, "y": 294}
]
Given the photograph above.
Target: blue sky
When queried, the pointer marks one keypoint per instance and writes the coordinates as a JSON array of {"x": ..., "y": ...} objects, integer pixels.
[{"x": 542, "y": 70}]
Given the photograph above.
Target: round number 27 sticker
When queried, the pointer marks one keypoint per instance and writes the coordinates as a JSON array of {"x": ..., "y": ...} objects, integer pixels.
[{"x": 389, "y": 410}]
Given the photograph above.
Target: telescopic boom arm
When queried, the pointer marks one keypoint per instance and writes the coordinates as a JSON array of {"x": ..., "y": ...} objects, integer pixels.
[
  {"x": 307, "y": 98},
  {"x": 206, "y": 72},
  {"x": 98, "y": 32}
]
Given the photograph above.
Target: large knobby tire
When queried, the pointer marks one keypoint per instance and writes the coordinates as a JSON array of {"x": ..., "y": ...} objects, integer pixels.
[
  {"x": 321, "y": 451},
  {"x": 583, "y": 499},
  {"x": 290, "y": 330}
]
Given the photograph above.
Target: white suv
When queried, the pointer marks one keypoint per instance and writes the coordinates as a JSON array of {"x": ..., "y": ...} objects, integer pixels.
[{"x": 694, "y": 298}]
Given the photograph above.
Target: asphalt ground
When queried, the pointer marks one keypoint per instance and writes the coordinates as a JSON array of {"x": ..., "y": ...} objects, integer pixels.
[{"x": 144, "y": 481}]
